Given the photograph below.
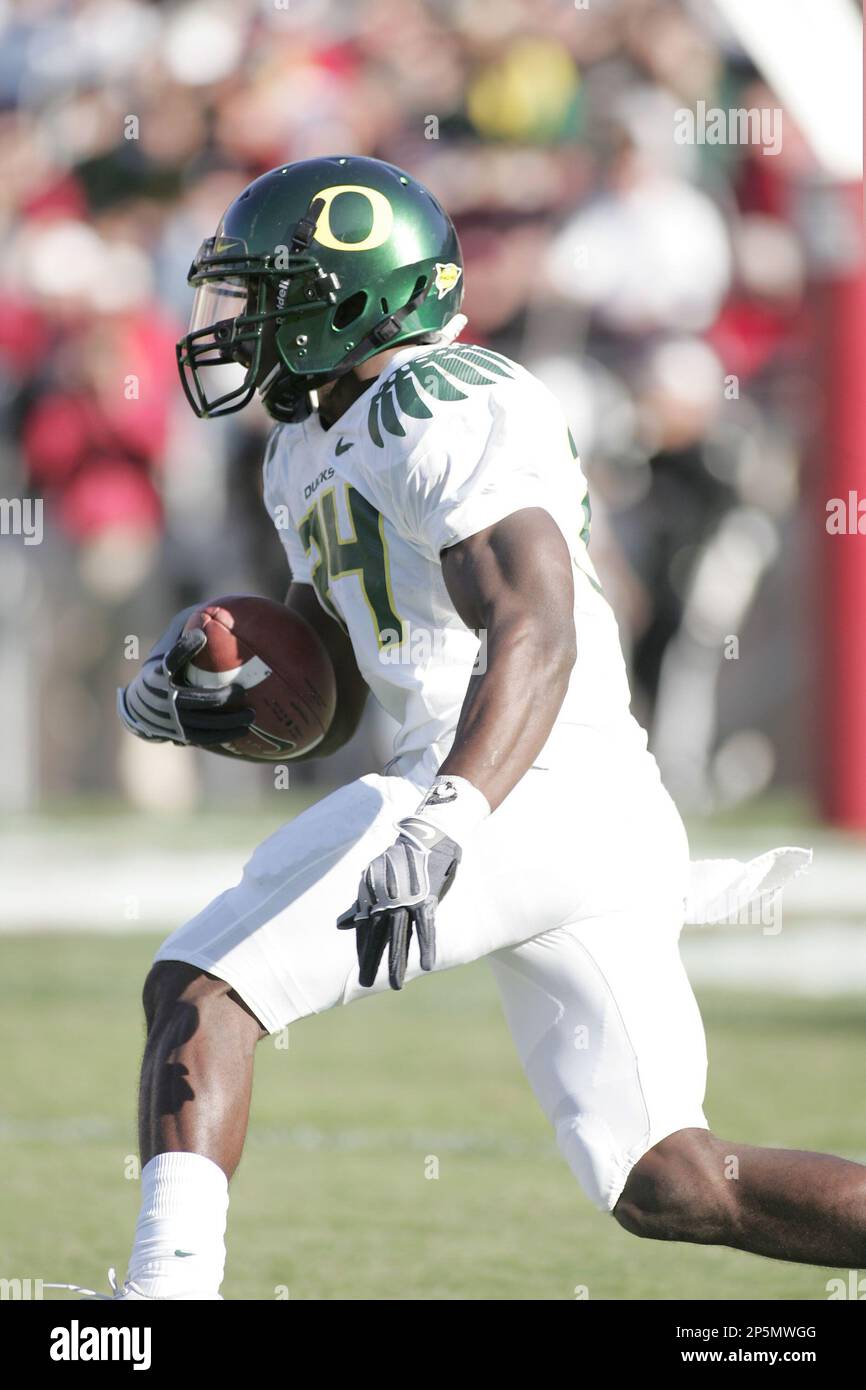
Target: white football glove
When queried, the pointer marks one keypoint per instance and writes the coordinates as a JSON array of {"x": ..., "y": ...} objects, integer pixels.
[
  {"x": 158, "y": 707},
  {"x": 399, "y": 894},
  {"x": 401, "y": 889}
]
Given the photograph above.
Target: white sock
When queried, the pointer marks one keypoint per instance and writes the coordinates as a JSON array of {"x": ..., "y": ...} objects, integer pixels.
[{"x": 179, "y": 1249}]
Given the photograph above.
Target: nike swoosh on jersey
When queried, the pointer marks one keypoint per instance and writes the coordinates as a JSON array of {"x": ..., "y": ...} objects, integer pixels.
[{"x": 341, "y": 447}]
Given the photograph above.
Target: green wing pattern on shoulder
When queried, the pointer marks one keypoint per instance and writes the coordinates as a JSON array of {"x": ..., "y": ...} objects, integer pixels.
[{"x": 433, "y": 376}]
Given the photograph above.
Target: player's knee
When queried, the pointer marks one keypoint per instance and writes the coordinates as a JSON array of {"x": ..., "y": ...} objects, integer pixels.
[
  {"x": 681, "y": 1190},
  {"x": 169, "y": 983},
  {"x": 181, "y": 1001}
]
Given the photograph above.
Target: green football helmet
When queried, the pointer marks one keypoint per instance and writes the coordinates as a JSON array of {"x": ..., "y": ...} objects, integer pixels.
[{"x": 315, "y": 267}]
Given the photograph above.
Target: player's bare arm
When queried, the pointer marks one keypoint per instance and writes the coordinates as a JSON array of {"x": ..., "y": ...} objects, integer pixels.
[{"x": 513, "y": 584}]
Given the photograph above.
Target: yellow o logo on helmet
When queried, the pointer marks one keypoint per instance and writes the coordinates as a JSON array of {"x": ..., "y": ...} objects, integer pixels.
[{"x": 383, "y": 219}]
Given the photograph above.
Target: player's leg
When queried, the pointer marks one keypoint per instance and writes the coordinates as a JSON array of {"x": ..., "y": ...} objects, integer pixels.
[
  {"x": 610, "y": 1036},
  {"x": 194, "y": 1099},
  {"x": 783, "y": 1203},
  {"x": 197, "y": 1070},
  {"x": 260, "y": 956}
]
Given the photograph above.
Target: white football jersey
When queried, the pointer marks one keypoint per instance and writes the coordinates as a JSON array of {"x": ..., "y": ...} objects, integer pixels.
[{"x": 446, "y": 442}]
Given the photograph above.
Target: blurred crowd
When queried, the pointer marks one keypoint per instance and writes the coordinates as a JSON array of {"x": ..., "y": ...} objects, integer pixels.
[{"x": 658, "y": 287}]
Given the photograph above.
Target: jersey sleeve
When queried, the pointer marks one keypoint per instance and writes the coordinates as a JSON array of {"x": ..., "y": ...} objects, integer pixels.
[
  {"x": 484, "y": 469},
  {"x": 276, "y": 503}
]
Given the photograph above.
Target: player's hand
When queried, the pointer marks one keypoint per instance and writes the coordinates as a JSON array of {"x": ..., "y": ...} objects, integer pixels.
[
  {"x": 156, "y": 705},
  {"x": 399, "y": 893}
]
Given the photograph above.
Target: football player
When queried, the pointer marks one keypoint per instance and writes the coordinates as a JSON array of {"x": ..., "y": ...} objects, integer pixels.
[{"x": 435, "y": 519}]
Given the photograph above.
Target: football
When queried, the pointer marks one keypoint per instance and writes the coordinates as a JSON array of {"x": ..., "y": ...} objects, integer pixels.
[{"x": 282, "y": 666}]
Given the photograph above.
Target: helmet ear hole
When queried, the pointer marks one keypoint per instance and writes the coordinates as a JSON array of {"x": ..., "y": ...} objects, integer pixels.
[{"x": 350, "y": 309}]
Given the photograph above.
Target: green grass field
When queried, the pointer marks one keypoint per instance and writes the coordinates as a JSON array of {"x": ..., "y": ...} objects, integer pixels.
[{"x": 332, "y": 1201}]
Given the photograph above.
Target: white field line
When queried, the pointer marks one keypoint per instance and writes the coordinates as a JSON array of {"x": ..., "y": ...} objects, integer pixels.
[
  {"x": 55, "y": 888},
  {"x": 809, "y": 957}
]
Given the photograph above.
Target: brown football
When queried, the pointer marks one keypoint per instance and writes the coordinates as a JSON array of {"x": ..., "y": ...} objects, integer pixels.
[{"x": 282, "y": 665}]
